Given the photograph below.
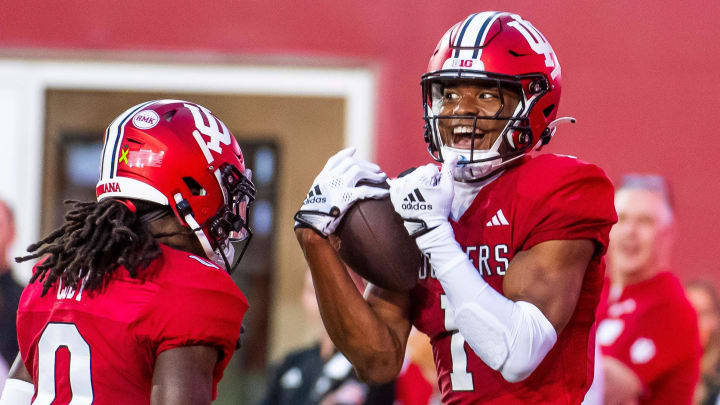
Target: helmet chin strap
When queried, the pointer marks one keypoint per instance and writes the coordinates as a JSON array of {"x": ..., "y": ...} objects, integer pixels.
[
  {"x": 474, "y": 171},
  {"x": 470, "y": 172},
  {"x": 219, "y": 259}
]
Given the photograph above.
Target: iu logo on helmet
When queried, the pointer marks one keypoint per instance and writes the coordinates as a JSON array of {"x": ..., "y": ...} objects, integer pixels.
[
  {"x": 214, "y": 129},
  {"x": 537, "y": 42}
]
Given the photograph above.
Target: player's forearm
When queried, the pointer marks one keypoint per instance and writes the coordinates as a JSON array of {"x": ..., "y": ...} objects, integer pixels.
[
  {"x": 354, "y": 327},
  {"x": 510, "y": 337}
]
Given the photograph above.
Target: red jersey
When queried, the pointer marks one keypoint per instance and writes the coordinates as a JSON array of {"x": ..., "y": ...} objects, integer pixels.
[
  {"x": 412, "y": 388},
  {"x": 651, "y": 327},
  {"x": 100, "y": 347},
  {"x": 548, "y": 197}
]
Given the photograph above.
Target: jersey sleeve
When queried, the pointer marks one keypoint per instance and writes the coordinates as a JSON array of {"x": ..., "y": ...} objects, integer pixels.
[
  {"x": 657, "y": 342},
  {"x": 204, "y": 307},
  {"x": 574, "y": 201}
]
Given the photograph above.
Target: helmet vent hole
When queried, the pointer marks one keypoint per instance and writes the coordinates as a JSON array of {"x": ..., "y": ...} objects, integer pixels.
[
  {"x": 195, "y": 188},
  {"x": 169, "y": 115},
  {"x": 134, "y": 141},
  {"x": 548, "y": 110},
  {"x": 513, "y": 53}
]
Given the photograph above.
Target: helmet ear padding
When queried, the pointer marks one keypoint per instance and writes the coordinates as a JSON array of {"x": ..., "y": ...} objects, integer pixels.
[{"x": 519, "y": 139}]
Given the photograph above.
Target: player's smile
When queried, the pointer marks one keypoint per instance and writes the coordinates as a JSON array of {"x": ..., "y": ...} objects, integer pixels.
[
  {"x": 464, "y": 135},
  {"x": 474, "y": 100}
]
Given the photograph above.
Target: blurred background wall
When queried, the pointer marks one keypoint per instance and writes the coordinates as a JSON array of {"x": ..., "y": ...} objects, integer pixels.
[{"x": 640, "y": 77}]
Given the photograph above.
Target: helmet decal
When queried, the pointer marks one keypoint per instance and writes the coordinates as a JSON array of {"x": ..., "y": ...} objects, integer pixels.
[
  {"x": 146, "y": 119},
  {"x": 462, "y": 34},
  {"x": 537, "y": 42},
  {"x": 214, "y": 129},
  {"x": 474, "y": 32},
  {"x": 113, "y": 136}
]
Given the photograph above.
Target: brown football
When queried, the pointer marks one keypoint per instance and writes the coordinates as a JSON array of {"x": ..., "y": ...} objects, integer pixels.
[{"x": 376, "y": 245}]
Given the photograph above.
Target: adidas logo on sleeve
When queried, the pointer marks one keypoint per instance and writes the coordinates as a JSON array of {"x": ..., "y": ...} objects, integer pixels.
[
  {"x": 498, "y": 219},
  {"x": 415, "y": 201},
  {"x": 315, "y": 196}
]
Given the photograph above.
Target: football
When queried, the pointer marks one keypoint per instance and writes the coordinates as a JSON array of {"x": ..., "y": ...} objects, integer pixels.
[{"x": 376, "y": 245}]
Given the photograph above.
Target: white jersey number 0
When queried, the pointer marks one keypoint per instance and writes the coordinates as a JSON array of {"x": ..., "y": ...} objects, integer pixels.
[{"x": 55, "y": 336}]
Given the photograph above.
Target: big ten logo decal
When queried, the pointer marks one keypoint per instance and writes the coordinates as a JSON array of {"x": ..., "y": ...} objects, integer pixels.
[
  {"x": 211, "y": 127},
  {"x": 466, "y": 63},
  {"x": 537, "y": 42}
]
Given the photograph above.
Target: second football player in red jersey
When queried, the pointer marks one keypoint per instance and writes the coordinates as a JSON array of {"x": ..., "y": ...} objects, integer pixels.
[
  {"x": 132, "y": 302},
  {"x": 515, "y": 243}
]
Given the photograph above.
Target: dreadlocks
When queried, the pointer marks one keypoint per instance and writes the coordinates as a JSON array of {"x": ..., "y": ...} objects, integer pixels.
[{"x": 95, "y": 238}]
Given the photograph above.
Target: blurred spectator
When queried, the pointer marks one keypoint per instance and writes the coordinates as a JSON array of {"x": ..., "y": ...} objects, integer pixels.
[
  {"x": 10, "y": 290},
  {"x": 647, "y": 330},
  {"x": 417, "y": 383},
  {"x": 705, "y": 300},
  {"x": 320, "y": 374}
]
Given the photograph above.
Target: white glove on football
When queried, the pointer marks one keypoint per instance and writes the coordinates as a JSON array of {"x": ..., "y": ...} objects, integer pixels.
[
  {"x": 423, "y": 197},
  {"x": 335, "y": 189}
]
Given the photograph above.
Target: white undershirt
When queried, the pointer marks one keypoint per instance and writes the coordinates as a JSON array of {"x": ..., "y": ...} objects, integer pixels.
[{"x": 465, "y": 193}]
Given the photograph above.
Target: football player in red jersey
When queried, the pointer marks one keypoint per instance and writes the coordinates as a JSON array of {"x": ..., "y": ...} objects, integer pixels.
[
  {"x": 515, "y": 242},
  {"x": 132, "y": 302}
]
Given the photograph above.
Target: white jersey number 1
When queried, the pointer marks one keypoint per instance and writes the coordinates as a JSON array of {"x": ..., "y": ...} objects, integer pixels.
[{"x": 460, "y": 378}]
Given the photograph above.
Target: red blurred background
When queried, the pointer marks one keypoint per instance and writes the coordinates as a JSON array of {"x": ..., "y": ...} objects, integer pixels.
[{"x": 640, "y": 76}]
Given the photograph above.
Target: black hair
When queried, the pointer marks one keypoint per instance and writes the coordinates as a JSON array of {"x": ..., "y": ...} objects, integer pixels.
[{"x": 96, "y": 238}]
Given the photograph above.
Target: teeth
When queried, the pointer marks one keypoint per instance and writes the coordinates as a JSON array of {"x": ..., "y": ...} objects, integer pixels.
[{"x": 465, "y": 130}]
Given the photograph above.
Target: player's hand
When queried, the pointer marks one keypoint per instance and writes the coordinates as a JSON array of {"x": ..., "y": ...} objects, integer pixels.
[
  {"x": 335, "y": 189},
  {"x": 423, "y": 197}
]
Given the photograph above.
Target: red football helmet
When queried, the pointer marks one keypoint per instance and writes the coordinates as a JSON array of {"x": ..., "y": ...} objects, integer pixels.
[
  {"x": 502, "y": 50},
  {"x": 178, "y": 154}
]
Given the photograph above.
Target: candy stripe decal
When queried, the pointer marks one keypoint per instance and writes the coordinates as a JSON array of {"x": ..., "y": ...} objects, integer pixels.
[{"x": 462, "y": 33}]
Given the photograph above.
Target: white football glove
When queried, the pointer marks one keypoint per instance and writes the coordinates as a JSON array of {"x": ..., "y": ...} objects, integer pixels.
[
  {"x": 423, "y": 197},
  {"x": 335, "y": 189}
]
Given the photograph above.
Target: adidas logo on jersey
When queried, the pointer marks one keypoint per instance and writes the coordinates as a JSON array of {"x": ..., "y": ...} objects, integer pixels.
[
  {"x": 415, "y": 201},
  {"x": 498, "y": 219},
  {"x": 315, "y": 196}
]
